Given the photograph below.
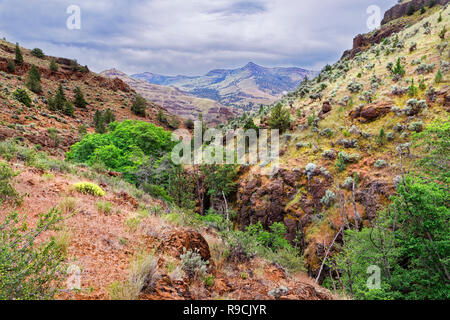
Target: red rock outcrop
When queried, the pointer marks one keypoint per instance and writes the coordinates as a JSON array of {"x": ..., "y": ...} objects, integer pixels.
[
  {"x": 188, "y": 240},
  {"x": 401, "y": 9}
]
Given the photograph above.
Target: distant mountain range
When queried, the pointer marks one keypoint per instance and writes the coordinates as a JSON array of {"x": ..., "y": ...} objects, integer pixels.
[
  {"x": 178, "y": 102},
  {"x": 243, "y": 88}
]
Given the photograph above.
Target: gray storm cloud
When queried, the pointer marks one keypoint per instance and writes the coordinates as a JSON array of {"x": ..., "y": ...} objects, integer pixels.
[{"x": 189, "y": 36}]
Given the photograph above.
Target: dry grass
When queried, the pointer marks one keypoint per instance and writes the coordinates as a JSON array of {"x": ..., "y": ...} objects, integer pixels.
[{"x": 142, "y": 273}]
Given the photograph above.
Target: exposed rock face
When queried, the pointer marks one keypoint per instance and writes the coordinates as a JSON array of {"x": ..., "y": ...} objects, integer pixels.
[
  {"x": 326, "y": 107},
  {"x": 369, "y": 113},
  {"x": 401, "y": 9},
  {"x": 168, "y": 289},
  {"x": 186, "y": 239},
  {"x": 268, "y": 202},
  {"x": 295, "y": 198},
  {"x": 363, "y": 41}
]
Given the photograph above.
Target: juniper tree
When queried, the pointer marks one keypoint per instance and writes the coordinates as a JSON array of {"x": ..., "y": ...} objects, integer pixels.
[
  {"x": 38, "y": 53},
  {"x": 53, "y": 66},
  {"x": 139, "y": 106},
  {"x": 11, "y": 66},
  {"x": 108, "y": 116},
  {"x": 439, "y": 77},
  {"x": 279, "y": 118},
  {"x": 99, "y": 122},
  {"x": 34, "y": 80},
  {"x": 19, "y": 57},
  {"x": 68, "y": 108},
  {"x": 80, "y": 102},
  {"x": 57, "y": 102}
]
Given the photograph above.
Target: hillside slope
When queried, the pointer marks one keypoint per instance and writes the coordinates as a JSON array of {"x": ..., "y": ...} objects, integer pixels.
[
  {"x": 357, "y": 118},
  {"x": 245, "y": 87},
  {"x": 176, "y": 101},
  {"x": 33, "y": 123},
  {"x": 104, "y": 235}
]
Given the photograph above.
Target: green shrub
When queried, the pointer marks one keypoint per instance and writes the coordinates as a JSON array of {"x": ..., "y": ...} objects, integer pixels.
[
  {"x": 29, "y": 270},
  {"x": 22, "y": 96},
  {"x": 209, "y": 281},
  {"x": 38, "y": 53},
  {"x": 53, "y": 66},
  {"x": 79, "y": 102},
  {"x": 380, "y": 164},
  {"x": 328, "y": 199},
  {"x": 438, "y": 78},
  {"x": 274, "y": 239},
  {"x": 89, "y": 188},
  {"x": 57, "y": 102},
  {"x": 7, "y": 191},
  {"x": 34, "y": 80},
  {"x": 126, "y": 148},
  {"x": 139, "y": 106},
  {"x": 11, "y": 66},
  {"x": 157, "y": 192},
  {"x": 443, "y": 32},
  {"x": 398, "y": 69},
  {"x": 19, "y": 57},
  {"x": 104, "y": 207},
  {"x": 279, "y": 118},
  {"x": 409, "y": 255},
  {"x": 68, "y": 108},
  {"x": 193, "y": 264}
]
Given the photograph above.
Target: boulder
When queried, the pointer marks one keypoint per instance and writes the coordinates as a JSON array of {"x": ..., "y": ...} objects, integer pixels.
[{"x": 188, "y": 240}]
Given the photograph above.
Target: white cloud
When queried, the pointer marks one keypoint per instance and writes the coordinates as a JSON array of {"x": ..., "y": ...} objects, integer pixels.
[{"x": 190, "y": 36}]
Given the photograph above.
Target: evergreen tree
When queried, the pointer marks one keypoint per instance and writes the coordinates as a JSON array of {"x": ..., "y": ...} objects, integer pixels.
[
  {"x": 68, "y": 108},
  {"x": 398, "y": 68},
  {"x": 34, "y": 80},
  {"x": 161, "y": 117},
  {"x": 57, "y": 102},
  {"x": 412, "y": 89},
  {"x": 108, "y": 116},
  {"x": 19, "y": 57},
  {"x": 11, "y": 66},
  {"x": 80, "y": 102},
  {"x": 439, "y": 77},
  {"x": 139, "y": 106},
  {"x": 38, "y": 53},
  {"x": 60, "y": 98},
  {"x": 99, "y": 122},
  {"x": 279, "y": 118},
  {"x": 442, "y": 33},
  {"x": 53, "y": 66}
]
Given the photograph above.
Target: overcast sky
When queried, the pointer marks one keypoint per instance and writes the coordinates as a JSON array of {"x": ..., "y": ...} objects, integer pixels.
[{"x": 189, "y": 36}]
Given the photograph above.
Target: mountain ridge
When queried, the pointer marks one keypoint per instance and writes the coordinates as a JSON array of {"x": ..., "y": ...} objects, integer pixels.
[
  {"x": 176, "y": 101},
  {"x": 243, "y": 87}
]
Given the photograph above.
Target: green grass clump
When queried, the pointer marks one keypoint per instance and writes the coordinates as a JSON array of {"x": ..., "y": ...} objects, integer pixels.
[{"x": 104, "y": 207}]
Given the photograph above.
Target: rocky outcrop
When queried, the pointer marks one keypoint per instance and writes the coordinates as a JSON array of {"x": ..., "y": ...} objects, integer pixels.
[
  {"x": 180, "y": 240},
  {"x": 270, "y": 201},
  {"x": 401, "y": 9},
  {"x": 364, "y": 41},
  {"x": 67, "y": 74},
  {"x": 369, "y": 113}
]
